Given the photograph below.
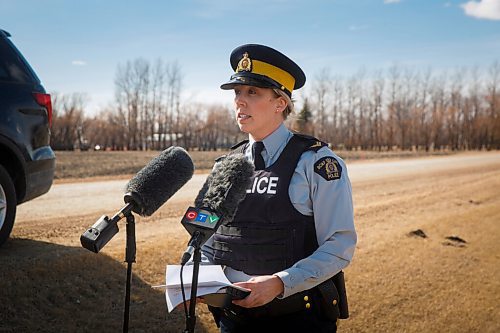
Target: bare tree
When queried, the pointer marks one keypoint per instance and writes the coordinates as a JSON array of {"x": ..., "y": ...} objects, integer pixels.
[
  {"x": 174, "y": 85},
  {"x": 375, "y": 113},
  {"x": 106, "y": 130},
  {"x": 493, "y": 107},
  {"x": 148, "y": 99},
  {"x": 422, "y": 125},
  {"x": 321, "y": 101},
  {"x": 398, "y": 109},
  {"x": 394, "y": 106},
  {"x": 129, "y": 94},
  {"x": 67, "y": 121},
  {"x": 337, "y": 127}
]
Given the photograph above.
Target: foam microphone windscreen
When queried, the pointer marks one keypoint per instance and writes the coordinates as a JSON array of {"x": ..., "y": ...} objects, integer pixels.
[
  {"x": 226, "y": 186},
  {"x": 159, "y": 180}
]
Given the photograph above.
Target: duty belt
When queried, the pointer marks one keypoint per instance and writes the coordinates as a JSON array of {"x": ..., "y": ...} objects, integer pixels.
[
  {"x": 304, "y": 301},
  {"x": 329, "y": 299}
]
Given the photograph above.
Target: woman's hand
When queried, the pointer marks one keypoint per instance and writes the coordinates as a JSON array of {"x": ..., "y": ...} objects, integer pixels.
[{"x": 264, "y": 289}]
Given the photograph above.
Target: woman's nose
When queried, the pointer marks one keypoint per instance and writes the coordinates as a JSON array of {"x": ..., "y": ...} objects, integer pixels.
[{"x": 239, "y": 100}]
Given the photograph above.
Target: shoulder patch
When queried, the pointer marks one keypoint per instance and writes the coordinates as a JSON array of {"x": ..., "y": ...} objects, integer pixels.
[{"x": 328, "y": 168}]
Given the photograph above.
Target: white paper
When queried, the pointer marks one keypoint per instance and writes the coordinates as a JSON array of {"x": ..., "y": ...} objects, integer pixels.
[
  {"x": 210, "y": 279},
  {"x": 208, "y": 275}
]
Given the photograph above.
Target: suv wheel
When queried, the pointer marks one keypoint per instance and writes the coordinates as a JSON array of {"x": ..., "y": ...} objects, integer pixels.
[{"x": 8, "y": 204}]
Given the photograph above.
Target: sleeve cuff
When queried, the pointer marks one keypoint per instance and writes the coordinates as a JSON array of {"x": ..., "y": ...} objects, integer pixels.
[{"x": 288, "y": 283}]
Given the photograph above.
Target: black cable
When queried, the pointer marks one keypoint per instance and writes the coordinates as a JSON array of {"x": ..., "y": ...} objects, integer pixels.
[{"x": 184, "y": 296}]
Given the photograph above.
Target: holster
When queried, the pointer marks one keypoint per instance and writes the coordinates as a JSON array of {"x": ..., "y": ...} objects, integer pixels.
[
  {"x": 334, "y": 298},
  {"x": 217, "y": 313}
]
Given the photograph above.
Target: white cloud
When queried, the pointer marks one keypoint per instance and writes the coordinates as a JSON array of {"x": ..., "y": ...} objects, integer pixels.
[
  {"x": 78, "y": 63},
  {"x": 391, "y": 1},
  {"x": 484, "y": 9}
]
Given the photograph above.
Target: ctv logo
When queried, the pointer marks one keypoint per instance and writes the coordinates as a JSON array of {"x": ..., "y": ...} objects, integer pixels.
[{"x": 202, "y": 217}]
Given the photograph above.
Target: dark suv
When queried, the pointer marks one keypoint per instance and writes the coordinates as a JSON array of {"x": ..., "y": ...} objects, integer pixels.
[{"x": 27, "y": 162}]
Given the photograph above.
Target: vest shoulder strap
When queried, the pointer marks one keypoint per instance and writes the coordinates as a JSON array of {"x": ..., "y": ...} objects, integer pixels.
[
  {"x": 311, "y": 142},
  {"x": 239, "y": 144},
  {"x": 220, "y": 158},
  {"x": 238, "y": 148}
]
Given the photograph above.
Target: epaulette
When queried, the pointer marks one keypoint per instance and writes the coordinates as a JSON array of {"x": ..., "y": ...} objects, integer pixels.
[
  {"x": 238, "y": 144},
  {"x": 314, "y": 144}
]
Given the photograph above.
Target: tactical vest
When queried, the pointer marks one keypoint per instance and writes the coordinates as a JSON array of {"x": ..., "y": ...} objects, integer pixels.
[{"x": 268, "y": 234}]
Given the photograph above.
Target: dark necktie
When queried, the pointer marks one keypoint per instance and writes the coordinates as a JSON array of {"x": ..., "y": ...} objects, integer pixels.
[{"x": 257, "y": 148}]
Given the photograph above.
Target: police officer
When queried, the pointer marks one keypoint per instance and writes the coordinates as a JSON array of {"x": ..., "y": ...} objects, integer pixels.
[{"x": 294, "y": 231}]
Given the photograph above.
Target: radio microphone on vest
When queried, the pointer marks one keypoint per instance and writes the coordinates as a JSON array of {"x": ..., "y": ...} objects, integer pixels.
[
  {"x": 150, "y": 188},
  {"x": 217, "y": 200}
]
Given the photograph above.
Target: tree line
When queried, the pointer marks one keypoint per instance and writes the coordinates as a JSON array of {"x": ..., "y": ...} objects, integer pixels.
[{"x": 399, "y": 108}]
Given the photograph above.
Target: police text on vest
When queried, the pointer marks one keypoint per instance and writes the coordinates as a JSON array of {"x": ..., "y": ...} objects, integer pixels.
[{"x": 264, "y": 185}]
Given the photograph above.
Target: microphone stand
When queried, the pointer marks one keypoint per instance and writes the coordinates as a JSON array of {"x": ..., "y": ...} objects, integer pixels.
[
  {"x": 129, "y": 259},
  {"x": 97, "y": 236},
  {"x": 191, "y": 320}
]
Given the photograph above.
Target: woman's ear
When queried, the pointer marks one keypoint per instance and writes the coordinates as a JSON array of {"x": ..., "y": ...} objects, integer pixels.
[{"x": 280, "y": 104}]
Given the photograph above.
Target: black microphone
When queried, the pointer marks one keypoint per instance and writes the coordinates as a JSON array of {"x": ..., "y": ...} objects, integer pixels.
[
  {"x": 150, "y": 188},
  {"x": 159, "y": 180},
  {"x": 217, "y": 200}
]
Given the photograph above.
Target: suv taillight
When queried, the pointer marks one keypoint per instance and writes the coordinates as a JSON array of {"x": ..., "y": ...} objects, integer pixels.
[{"x": 44, "y": 100}]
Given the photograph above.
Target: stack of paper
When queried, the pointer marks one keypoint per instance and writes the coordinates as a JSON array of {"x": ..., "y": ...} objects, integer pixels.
[{"x": 210, "y": 279}]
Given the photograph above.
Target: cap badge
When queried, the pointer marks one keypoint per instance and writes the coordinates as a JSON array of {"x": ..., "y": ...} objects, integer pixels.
[{"x": 245, "y": 64}]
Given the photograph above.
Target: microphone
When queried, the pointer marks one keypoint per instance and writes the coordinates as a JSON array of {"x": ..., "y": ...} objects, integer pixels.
[
  {"x": 159, "y": 180},
  {"x": 217, "y": 200},
  {"x": 150, "y": 188}
]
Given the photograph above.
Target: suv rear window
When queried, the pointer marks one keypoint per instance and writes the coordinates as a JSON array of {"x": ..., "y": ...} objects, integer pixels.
[{"x": 12, "y": 66}]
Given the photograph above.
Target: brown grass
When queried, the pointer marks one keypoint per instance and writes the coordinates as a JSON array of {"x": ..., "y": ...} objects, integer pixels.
[
  {"x": 98, "y": 164},
  {"x": 91, "y": 164}
]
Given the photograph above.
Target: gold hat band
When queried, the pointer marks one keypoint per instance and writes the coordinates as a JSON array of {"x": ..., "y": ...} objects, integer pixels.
[{"x": 277, "y": 74}]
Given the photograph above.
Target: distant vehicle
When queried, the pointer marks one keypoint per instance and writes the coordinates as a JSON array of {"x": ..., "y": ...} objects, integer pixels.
[{"x": 27, "y": 162}]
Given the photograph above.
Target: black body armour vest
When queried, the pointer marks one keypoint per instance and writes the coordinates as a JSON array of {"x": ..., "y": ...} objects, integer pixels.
[{"x": 268, "y": 234}]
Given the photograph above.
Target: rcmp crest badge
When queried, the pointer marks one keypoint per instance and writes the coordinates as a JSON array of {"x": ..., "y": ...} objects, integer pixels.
[
  {"x": 328, "y": 168},
  {"x": 245, "y": 64}
]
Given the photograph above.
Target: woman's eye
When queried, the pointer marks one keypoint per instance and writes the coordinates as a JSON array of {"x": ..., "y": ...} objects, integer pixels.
[{"x": 252, "y": 91}]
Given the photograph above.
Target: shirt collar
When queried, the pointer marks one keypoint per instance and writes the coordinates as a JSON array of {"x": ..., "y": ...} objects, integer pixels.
[{"x": 274, "y": 141}]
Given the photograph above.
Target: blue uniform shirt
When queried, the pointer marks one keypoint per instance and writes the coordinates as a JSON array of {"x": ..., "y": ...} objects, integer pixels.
[{"x": 330, "y": 201}]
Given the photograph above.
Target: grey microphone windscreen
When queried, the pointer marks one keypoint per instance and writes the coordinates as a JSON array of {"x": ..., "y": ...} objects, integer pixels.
[
  {"x": 154, "y": 184},
  {"x": 226, "y": 186}
]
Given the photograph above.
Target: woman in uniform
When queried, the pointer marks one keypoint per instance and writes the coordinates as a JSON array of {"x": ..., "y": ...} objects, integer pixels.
[{"x": 294, "y": 232}]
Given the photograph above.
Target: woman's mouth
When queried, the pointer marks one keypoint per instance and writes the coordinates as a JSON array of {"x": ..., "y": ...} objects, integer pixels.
[{"x": 243, "y": 116}]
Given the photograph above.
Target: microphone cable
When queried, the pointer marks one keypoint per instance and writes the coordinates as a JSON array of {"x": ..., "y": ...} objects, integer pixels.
[{"x": 186, "y": 314}]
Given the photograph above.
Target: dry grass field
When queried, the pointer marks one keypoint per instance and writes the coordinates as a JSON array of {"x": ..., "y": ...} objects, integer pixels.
[
  {"x": 85, "y": 164},
  {"x": 397, "y": 282}
]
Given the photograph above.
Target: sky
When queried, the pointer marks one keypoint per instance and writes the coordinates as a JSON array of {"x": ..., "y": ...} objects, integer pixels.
[{"x": 76, "y": 46}]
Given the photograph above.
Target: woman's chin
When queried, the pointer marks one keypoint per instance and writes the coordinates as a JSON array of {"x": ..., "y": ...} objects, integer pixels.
[{"x": 243, "y": 127}]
